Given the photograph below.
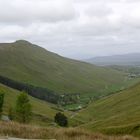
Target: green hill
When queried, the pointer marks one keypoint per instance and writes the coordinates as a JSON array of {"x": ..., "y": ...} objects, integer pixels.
[
  {"x": 118, "y": 113},
  {"x": 41, "y": 109},
  {"x": 29, "y": 63}
]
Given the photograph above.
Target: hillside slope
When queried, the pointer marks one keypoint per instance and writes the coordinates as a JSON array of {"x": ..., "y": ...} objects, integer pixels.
[
  {"x": 40, "y": 108},
  {"x": 118, "y": 113},
  {"x": 25, "y": 62}
]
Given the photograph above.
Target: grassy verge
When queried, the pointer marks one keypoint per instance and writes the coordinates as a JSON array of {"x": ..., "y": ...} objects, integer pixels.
[{"x": 14, "y": 129}]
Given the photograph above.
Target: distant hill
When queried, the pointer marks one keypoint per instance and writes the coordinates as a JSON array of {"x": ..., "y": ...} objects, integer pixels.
[
  {"x": 25, "y": 62},
  {"x": 126, "y": 59},
  {"x": 118, "y": 113}
]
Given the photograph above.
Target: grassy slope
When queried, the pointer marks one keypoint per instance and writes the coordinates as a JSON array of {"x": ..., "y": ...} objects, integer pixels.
[
  {"x": 43, "y": 108},
  {"x": 39, "y": 107},
  {"x": 118, "y": 113},
  {"x": 29, "y": 63}
]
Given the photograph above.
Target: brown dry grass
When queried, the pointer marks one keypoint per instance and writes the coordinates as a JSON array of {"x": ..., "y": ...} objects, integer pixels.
[{"x": 14, "y": 129}]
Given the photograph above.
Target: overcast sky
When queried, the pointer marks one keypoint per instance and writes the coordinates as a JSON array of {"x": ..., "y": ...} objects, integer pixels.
[{"x": 74, "y": 28}]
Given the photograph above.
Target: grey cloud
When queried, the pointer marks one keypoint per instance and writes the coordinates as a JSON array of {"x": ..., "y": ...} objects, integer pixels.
[
  {"x": 36, "y": 11},
  {"x": 98, "y": 10},
  {"x": 73, "y": 28}
]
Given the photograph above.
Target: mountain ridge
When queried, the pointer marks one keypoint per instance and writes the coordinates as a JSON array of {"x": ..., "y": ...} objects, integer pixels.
[{"x": 122, "y": 59}]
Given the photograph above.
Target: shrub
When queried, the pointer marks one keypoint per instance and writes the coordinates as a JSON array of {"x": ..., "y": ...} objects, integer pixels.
[{"x": 61, "y": 119}]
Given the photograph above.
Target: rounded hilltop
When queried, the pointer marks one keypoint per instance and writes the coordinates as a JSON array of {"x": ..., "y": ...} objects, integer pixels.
[{"x": 22, "y": 42}]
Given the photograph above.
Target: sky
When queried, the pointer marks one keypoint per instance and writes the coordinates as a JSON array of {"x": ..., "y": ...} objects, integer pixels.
[{"x": 77, "y": 29}]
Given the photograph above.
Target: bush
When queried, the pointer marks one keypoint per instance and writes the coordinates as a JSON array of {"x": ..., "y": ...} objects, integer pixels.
[{"x": 61, "y": 119}]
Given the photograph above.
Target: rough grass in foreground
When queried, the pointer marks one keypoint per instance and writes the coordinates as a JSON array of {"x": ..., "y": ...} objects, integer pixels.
[{"x": 13, "y": 129}]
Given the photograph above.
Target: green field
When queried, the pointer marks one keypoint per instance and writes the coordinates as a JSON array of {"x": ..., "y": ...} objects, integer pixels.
[
  {"x": 131, "y": 70},
  {"x": 118, "y": 113}
]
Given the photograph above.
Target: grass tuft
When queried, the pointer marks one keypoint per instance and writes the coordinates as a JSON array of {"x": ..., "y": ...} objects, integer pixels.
[{"x": 13, "y": 129}]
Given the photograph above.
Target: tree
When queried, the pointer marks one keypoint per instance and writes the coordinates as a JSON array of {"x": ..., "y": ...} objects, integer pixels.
[
  {"x": 61, "y": 119},
  {"x": 23, "y": 108},
  {"x": 11, "y": 113},
  {"x": 1, "y": 102}
]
